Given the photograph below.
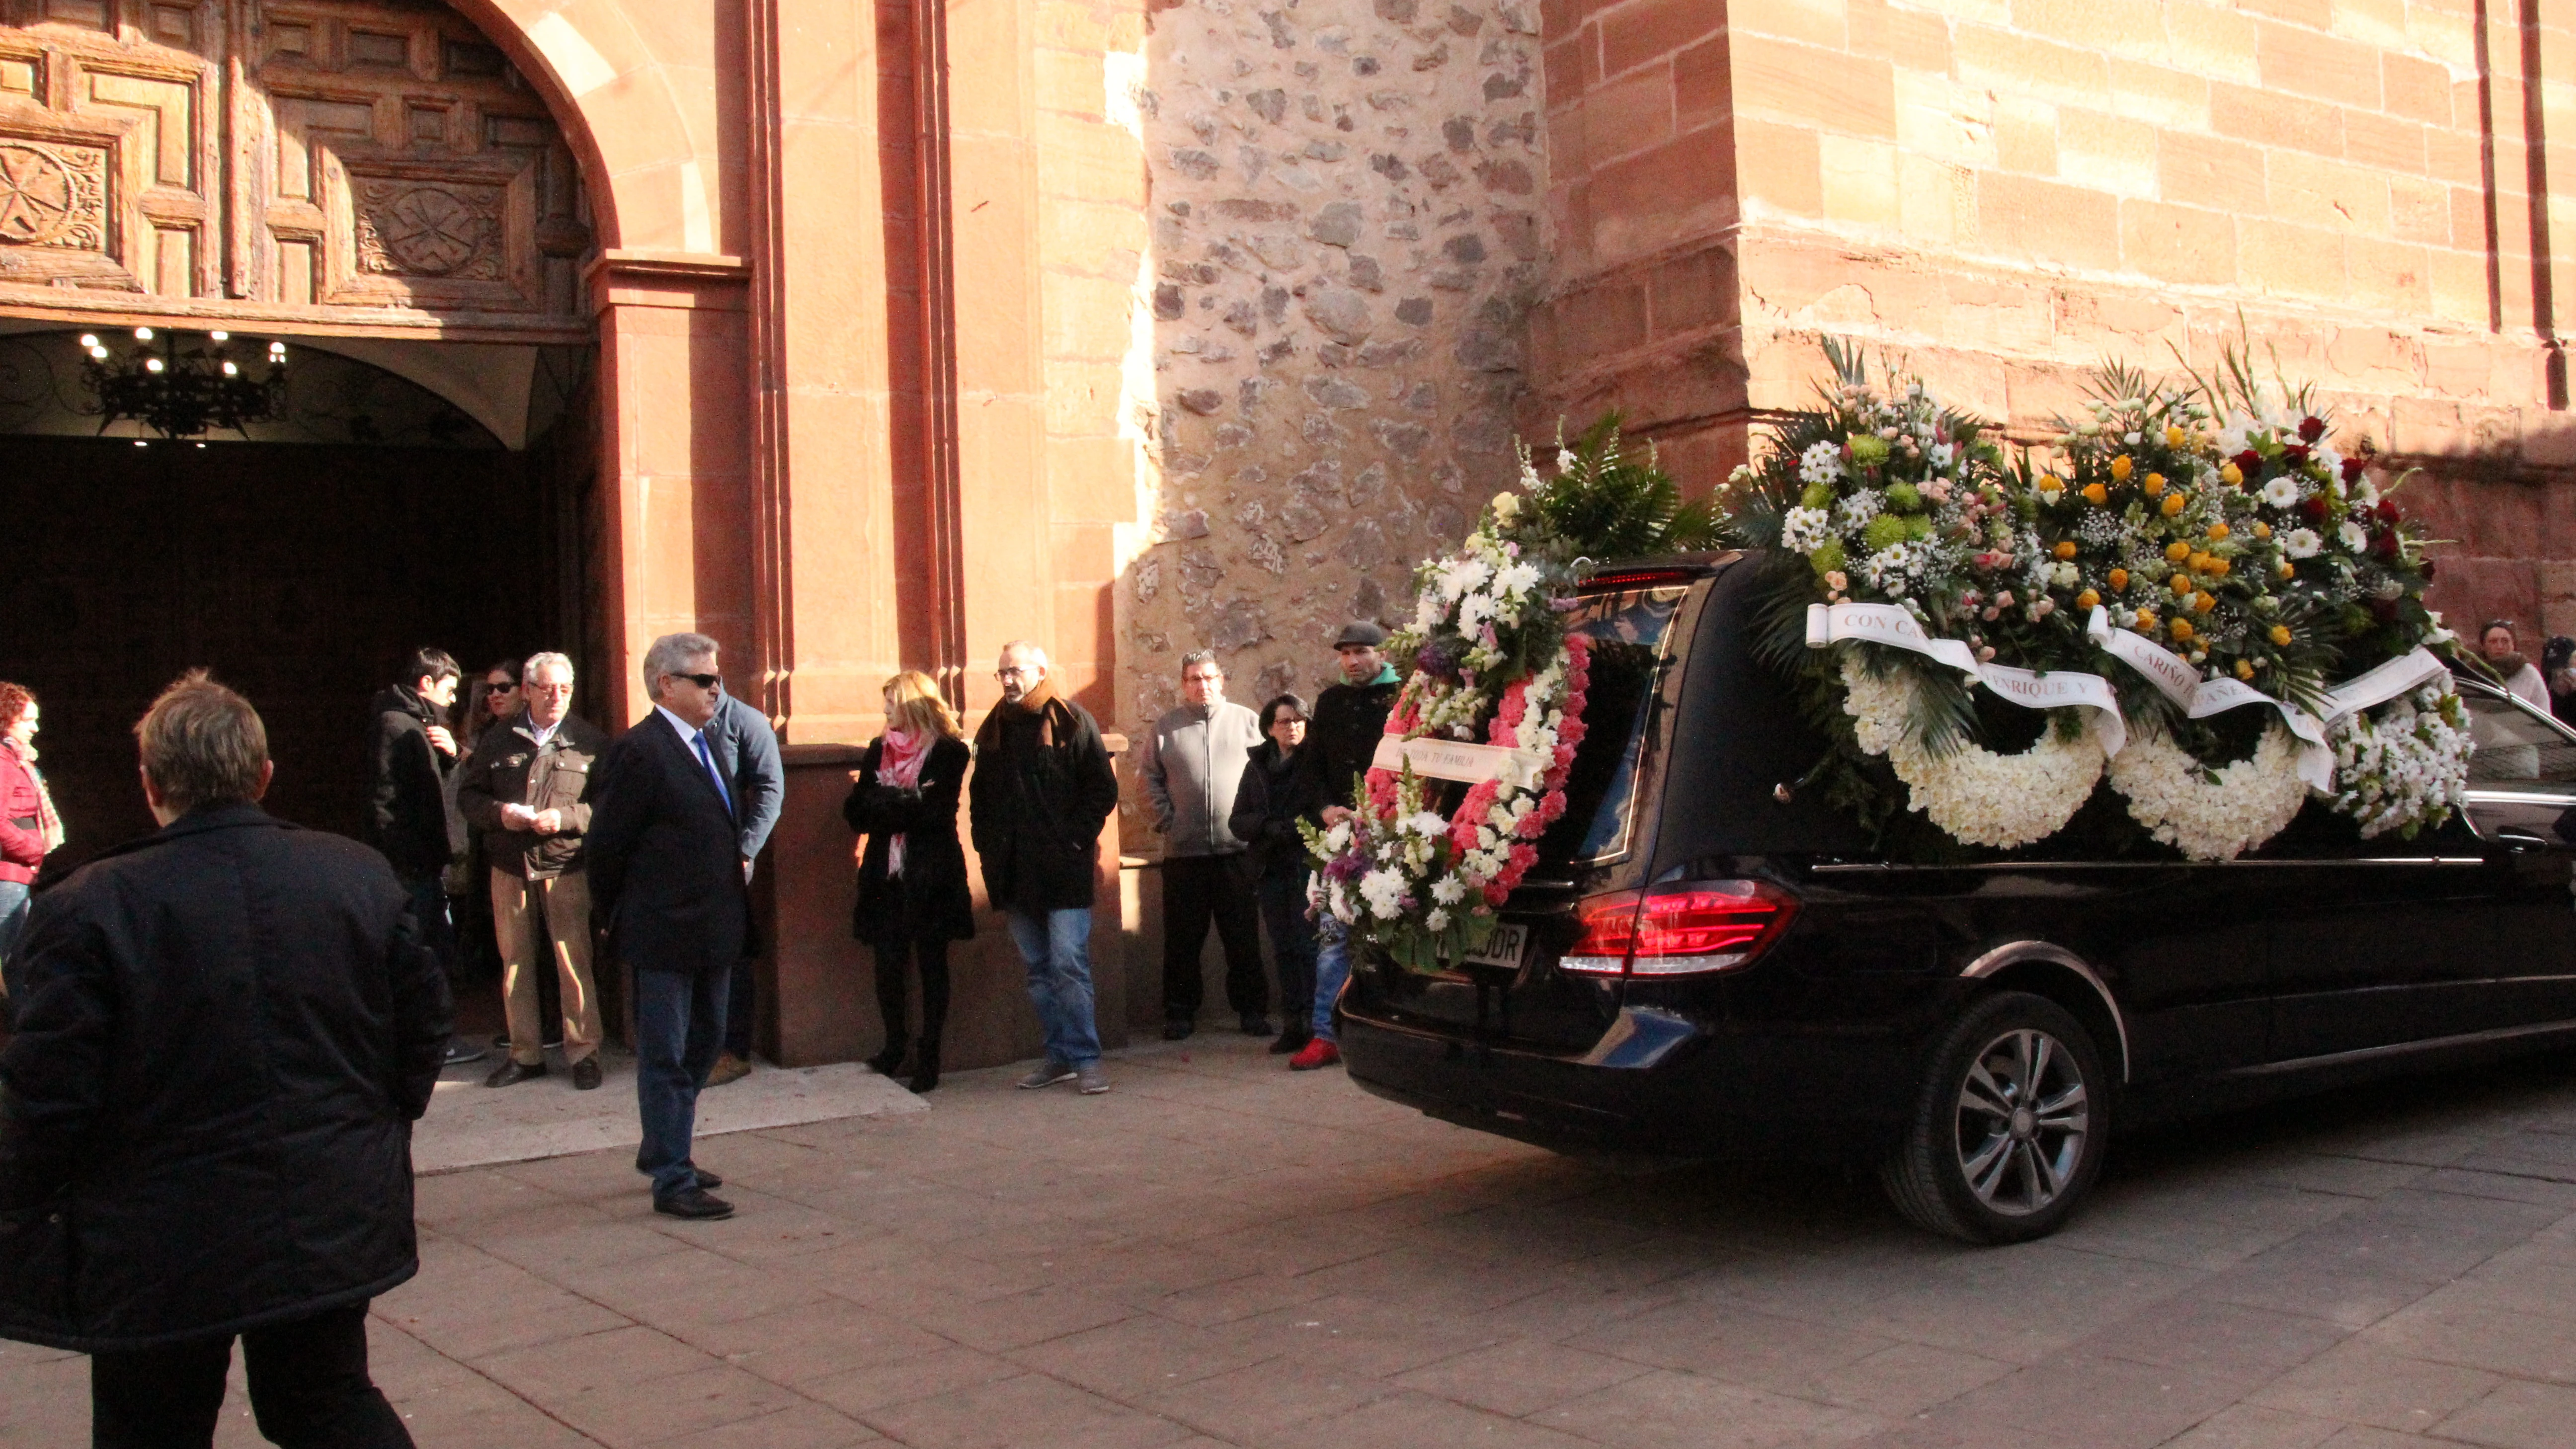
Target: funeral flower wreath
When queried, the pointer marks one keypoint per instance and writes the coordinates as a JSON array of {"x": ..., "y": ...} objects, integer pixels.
[{"x": 2186, "y": 571}]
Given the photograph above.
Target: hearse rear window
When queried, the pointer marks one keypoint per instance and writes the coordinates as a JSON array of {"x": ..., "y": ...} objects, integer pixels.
[
  {"x": 2515, "y": 746},
  {"x": 1630, "y": 632}
]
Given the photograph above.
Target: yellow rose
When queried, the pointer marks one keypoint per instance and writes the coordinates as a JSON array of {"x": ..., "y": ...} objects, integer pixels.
[
  {"x": 2220, "y": 567},
  {"x": 2182, "y": 631},
  {"x": 2066, "y": 548},
  {"x": 2087, "y": 599},
  {"x": 2262, "y": 530},
  {"x": 2155, "y": 484},
  {"x": 2199, "y": 562},
  {"x": 1506, "y": 505},
  {"x": 2146, "y": 621},
  {"x": 2202, "y": 603},
  {"x": 2181, "y": 584},
  {"x": 2286, "y": 569},
  {"x": 2281, "y": 635},
  {"x": 2173, "y": 436},
  {"x": 2177, "y": 550},
  {"x": 2218, "y": 530},
  {"x": 2173, "y": 504},
  {"x": 2244, "y": 669},
  {"x": 2095, "y": 493},
  {"x": 2119, "y": 579},
  {"x": 2121, "y": 468},
  {"x": 2230, "y": 474}
]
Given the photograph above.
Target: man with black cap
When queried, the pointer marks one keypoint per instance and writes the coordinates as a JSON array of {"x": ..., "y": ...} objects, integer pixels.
[{"x": 1340, "y": 742}]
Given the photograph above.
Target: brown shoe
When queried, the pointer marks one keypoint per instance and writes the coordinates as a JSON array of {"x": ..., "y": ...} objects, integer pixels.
[
  {"x": 585, "y": 1075},
  {"x": 511, "y": 1074},
  {"x": 728, "y": 1068}
]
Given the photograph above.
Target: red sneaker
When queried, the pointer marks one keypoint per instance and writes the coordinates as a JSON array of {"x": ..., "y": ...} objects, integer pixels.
[{"x": 1315, "y": 1054}]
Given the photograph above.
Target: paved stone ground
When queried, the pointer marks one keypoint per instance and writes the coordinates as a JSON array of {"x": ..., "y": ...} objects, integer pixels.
[{"x": 1219, "y": 1252}]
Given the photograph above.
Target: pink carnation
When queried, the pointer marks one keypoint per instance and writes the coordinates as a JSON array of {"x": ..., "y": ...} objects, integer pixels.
[
  {"x": 1553, "y": 807},
  {"x": 1531, "y": 826},
  {"x": 1496, "y": 894}
]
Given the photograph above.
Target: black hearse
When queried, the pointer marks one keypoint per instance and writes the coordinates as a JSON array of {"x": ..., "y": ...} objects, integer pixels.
[{"x": 1709, "y": 961}]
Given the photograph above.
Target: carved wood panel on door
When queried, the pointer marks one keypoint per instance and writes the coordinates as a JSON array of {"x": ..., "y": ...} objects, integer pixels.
[{"x": 289, "y": 157}]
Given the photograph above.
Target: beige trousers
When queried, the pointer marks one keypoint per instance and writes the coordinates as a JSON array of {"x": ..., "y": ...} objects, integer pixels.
[{"x": 527, "y": 917}]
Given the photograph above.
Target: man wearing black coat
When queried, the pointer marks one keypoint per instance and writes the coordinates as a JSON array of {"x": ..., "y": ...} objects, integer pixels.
[
  {"x": 205, "y": 1116},
  {"x": 666, "y": 871},
  {"x": 1042, "y": 789},
  {"x": 1350, "y": 717},
  {"x": 409, "y": 817}
]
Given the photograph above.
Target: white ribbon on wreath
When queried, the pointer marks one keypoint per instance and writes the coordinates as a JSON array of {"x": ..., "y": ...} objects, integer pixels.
[{"x": 2056, "y": 689}]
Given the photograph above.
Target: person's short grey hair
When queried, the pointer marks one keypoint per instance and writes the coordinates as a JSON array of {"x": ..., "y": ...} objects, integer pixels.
[
  {"x": 1037, "y": 653},
  {"x": 673, "y": 654},
  {"x": 1197, "y": 657},
  {"x": 547, "y": 660}
]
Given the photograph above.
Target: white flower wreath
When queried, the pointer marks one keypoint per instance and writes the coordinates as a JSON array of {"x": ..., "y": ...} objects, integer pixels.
[
  {"x": 2210, "y": 814},
  {"x": 1978, "y": 796}
]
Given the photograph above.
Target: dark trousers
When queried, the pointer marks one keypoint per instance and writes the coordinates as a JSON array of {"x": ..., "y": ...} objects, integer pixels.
[
  {"x": 738, "y": 1003},
  {"x": 930, "y": 954},
  {"x": 308, "y": 1387},
  {"x": 679, "y": 1028},
  {"x": 437, "y": 930},
  {"x": 1196, "y": 888},
  {"x": 1292, "y": 942}
]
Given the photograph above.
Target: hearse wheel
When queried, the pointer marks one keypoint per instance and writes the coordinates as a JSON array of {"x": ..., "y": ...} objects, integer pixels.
[{"x": 2007, "y": 1134}]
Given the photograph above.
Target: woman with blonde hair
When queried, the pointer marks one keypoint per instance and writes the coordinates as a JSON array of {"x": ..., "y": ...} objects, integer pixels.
[{"x": 912, "y": 874}]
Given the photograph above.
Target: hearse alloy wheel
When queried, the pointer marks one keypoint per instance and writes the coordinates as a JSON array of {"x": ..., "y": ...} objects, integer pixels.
[{"x": 2007, "y": 1132}]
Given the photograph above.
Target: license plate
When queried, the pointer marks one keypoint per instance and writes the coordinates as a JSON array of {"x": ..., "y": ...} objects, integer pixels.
[{"x": 1503, "y": 948}]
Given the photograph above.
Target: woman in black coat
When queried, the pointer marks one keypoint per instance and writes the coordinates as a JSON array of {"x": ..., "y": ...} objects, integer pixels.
[
  {"x": 1267, "y": 805},
  {"x": 912, "y": 878}
]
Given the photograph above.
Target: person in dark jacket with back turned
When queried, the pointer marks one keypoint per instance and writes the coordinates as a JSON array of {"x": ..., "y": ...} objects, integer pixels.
[
  {"x": 1264, "y": 818},
  {"x": 666, "y": 871},
  {"x": 746, "y": 752},
  {"x": 912, "y": 879},
  {"x": 1043, "y": 787},
  {"x": 412, "y": 818},
  {"x": 1349, "y": 719},
  {"x": 205, "y": 1116}
]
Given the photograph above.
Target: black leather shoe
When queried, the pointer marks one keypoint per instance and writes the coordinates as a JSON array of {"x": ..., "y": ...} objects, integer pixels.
[
  {"x": 694, "y": 1203},
  {"x": 709, "y": 1180},
  {"x": 511, "y": 1074},
  {"x": 1179, "y": 1028},
  {"x": 1255, "y": 1025},
  {"x": 585, "y": 1075},
  {"x": 1289, "y": 1042}
]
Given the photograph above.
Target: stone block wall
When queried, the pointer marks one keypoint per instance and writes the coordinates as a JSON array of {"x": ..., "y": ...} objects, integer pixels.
[
  {"x": 2006, "y": 192},
  {"x": 1345, "y": 240}
]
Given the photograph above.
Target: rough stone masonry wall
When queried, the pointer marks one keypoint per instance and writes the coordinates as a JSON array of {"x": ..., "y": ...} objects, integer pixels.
[{"x": 1346, "y": 241}]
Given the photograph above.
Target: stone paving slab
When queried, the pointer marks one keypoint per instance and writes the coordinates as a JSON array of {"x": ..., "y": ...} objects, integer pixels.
[
  {"x": 1220, "y": 1252},
  {"x": 470, "y": 1126}
]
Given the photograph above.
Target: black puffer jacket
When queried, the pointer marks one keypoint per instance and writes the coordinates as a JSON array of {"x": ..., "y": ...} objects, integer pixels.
[
  {"x": 929, "y": 901},
  {"x": 1341, "y": 741},
  {"x": 205, "y": 1116}
]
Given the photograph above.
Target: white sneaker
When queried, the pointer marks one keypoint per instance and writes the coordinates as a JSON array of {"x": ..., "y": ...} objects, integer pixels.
[
  {"x": 1094, "y": 1080},
  {"x": 1047, "y": 1075}
]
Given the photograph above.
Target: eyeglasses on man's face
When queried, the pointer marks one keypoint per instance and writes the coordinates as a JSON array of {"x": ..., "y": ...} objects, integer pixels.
[{"x": 702, "y": 681}]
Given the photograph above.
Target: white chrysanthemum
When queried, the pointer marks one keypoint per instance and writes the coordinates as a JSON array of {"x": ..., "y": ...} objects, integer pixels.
[
  {"x": 1821, "y": 463},
  {"x": 2364, "y": 492},
  {"x": 1382, "y": 889},
  {"x": 2405, "y": 766},
  {"x": 1438, "y": 920},
  {"x": 1427, "y": 823},
  {"x": 2353, "y": 536},
  {"x": 2281, "y": 492},
  {"x": 1978, "y": 796},
  {"x": 1803, "y": 530},
  {"x": 1447, "y": 891},
  {"x": 1515, "y": 580},
  {"x": 2301, "y": 543},
  {"x": 1854, "y": 513},
  {"x": 1460, "y": 576},
  {"x": 1943, "y": 455}
]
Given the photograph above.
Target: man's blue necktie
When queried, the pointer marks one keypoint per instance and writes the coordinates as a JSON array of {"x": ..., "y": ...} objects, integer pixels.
[{"x": 713, "y": 773}]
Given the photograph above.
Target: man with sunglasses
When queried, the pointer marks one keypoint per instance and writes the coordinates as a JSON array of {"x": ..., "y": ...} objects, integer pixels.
[{"x": 666, "y": 871}]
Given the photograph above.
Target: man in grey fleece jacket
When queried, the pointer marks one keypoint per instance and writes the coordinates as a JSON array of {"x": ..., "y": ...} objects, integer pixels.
[{"x": 1193, "y": 760}]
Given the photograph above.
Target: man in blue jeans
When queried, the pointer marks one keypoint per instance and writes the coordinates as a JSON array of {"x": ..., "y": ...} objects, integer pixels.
[
  {"x": 1041, "y": 790},
  {"x": 1340, "y": 742}
]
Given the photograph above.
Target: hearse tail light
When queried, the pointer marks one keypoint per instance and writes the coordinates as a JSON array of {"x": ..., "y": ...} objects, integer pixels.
[{"x": 1694, "y": 928}]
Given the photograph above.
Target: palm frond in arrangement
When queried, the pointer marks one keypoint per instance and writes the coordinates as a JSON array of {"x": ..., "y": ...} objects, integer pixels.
[{"x": 1612, "y": 501}]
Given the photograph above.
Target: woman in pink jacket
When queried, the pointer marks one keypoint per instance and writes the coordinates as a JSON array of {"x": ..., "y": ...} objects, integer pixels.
[{"x": 29, "y": 828}]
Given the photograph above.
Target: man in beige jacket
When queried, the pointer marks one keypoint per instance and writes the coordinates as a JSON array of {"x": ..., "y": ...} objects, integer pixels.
[{"x": 527, "y": 787}]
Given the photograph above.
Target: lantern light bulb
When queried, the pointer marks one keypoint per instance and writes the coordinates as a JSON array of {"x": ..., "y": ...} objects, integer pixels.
[
  {"x": 142, "y": 334},
  {"x": 231, "y": 371},
  {"x": 89, "y": 341},
  {"x": 220, "y": 336},
  {"x": 152, "y": 364}
]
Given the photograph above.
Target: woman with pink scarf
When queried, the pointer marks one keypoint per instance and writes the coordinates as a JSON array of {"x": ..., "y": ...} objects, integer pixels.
[
  {"x": 30, "y": 829},
  {"x": 912, "y": 873}
]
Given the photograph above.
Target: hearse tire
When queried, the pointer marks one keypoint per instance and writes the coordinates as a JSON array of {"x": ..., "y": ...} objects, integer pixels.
[{"x": 2009, "y": 1127}]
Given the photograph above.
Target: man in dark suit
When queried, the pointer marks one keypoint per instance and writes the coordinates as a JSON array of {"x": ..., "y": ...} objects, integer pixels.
[
  {"x": 667, "y": 871},
  {"x": 205, "y": 1131},
  {"x": 746, "y": 754}
]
